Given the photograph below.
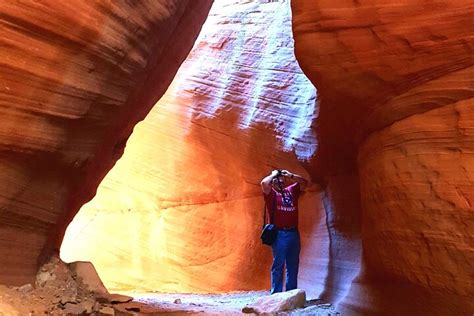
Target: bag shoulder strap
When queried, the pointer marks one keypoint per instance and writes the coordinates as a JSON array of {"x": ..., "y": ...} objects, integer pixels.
[
  {"x": 272, "y": 211},
  {"x": 265, "y": 213}
]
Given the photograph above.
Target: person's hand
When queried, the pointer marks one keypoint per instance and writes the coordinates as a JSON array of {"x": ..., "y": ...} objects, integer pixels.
[
  {"x": 286, "y": 173},
  {"x": 275, "y": 173}
]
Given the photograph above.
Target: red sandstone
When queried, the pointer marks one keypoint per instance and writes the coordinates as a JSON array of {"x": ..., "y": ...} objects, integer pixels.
[{"x": 389, "y": 222}]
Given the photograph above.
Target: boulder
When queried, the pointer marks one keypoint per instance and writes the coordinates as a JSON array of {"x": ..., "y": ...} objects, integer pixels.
[
  {"x": 86, "y": 272},
  {"x": 279, "y": 302}
]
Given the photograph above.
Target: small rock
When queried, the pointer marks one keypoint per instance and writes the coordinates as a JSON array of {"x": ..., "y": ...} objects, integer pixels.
[
  {"x": 74, "y": 309},
  {"x": 25, "y": 288},
  {"x": 89, "y": 306},
  {"x": 130, "y": 306},
  {"x": 177, "y": 301},
  {"x": 56, "y": 300},
  {"x": 68, "y": 297},
  {"x": 96, "y": 307},
  {"x": 105, "y": 310},
  {"x": 43, "y": 277},
  {"x": 116, "y": 298}
]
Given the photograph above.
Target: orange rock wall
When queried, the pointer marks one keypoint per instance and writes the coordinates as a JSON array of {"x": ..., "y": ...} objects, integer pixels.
[
  {"x": 393, "y": 229},
  {"x": 182, "y": 209},
  {"x": 75, "y": 79},
  {"x": 417, "y": 189},
  {"x": 396, "y": 87}
]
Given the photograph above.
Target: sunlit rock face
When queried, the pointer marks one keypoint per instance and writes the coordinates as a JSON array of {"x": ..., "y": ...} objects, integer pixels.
[
  {"x": 182, "y": 209},
  {"x": 396, "y": 86},
  {"x": 75, "y": 78}
]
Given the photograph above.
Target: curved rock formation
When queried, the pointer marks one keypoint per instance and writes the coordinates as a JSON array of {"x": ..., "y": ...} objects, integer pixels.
[
  {"x": 76, "y": 78},
  {"x": 394, "y": 153},
  {"x": 396, "y": 88},
  {"x": 182, "y": 209}
]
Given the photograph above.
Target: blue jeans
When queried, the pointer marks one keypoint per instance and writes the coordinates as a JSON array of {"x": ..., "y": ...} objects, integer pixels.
[{"x": 286, "y": 250}]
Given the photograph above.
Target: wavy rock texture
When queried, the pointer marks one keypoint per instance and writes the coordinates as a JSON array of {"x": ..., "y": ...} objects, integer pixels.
[
  {"x": 182, "y": 209},
  {"x": 76, "y": 77},
  {"x": 396, "y": 88},
  {"x": 394, "y": 150}
]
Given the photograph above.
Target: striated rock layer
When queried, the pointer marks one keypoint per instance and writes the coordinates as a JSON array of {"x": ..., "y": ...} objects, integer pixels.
[
  {"x": 396, "y": 84},
  {"x": 182, "y": 209},
  {"x": 394, "y": 152},
  {"x": 75, "y": 79}
]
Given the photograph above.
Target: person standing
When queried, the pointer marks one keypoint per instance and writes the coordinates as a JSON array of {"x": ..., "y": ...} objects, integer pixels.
[{"x": 281, "y": 190}]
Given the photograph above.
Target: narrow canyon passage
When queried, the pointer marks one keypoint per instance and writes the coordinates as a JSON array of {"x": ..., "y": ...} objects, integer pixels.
[
  {"x": 182, "y": 209},
  {"x": 134, "y": 135}
]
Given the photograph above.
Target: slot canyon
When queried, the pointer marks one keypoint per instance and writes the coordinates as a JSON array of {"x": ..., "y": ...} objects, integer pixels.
[{"x": 134, "y": 135}]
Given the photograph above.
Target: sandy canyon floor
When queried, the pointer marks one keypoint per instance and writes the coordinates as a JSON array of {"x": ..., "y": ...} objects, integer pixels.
[
  {"x": 214, "y": 304},
  {"x": 14, "y": 301}
]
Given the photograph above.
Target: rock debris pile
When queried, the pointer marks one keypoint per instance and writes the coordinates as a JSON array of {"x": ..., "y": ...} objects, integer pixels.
[
  {"x": 76, "y": 289},
  {"x": 63, "y": 289}
]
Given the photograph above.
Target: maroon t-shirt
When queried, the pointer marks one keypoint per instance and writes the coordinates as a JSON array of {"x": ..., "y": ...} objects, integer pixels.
[{"x": 286, "y": 213}]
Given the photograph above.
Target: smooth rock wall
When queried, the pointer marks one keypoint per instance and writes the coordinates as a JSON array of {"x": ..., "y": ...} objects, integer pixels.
[
  {"x": 76, "y": 76},
  {"x": 417, "y": 193},
  {"x": 395, "y": 81},
  {"x": 391, "y": 233}
]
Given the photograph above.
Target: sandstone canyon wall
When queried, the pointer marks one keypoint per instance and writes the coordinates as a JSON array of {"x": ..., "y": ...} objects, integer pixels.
[
  {"x": 182, "y": 209},
  {"x": 76, "y": 76},
  {"x": 396, "y": 85}
]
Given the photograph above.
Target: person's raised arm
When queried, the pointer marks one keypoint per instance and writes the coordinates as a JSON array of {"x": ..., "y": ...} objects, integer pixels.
[
  {"x": 266, "y": 182},
  {"x": 296, "y": 177}
]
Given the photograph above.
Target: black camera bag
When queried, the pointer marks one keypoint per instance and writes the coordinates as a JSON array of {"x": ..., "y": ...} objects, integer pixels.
[
  {"x": 269, "y": 231},
  {"x": 269, "y": 234}
]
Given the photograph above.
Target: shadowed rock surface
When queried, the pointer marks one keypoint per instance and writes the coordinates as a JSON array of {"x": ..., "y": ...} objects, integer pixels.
[
  {"x": 75, "y": 79},
  {"x": 396, "y": 87}
]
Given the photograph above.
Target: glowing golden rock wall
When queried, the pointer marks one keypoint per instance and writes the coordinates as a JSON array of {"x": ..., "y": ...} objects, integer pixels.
[{"x": 182, "y": 209}]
